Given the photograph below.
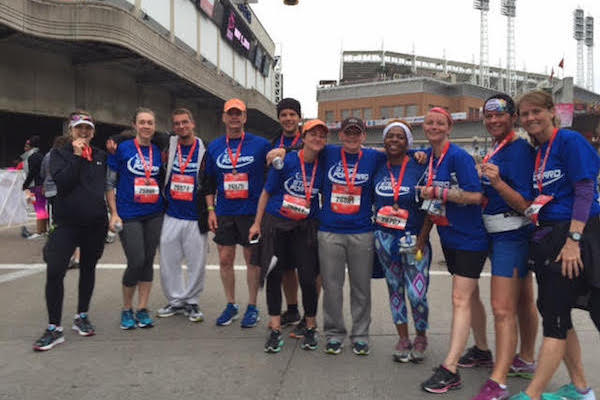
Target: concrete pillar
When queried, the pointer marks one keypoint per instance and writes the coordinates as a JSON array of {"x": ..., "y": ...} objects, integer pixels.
[{"x": 172, "y": 21}]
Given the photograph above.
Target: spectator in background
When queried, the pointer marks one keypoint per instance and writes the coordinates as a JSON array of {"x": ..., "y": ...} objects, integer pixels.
[{"x": 32, "y": 162}]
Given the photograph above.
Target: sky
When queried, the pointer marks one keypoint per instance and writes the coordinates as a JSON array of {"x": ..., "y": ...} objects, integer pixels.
[{"x": 311, "y": 35}]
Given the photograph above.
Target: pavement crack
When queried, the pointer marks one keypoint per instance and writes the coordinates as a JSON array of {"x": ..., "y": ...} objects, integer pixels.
[{"x": 285, "y": 371}]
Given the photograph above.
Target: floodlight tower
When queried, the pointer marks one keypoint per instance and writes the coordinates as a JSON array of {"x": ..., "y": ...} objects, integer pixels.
[
  {"x": 484, "y": 76},
  {"x": 509, "y": 9},
  {"x": 589, "y": 42},
  {"x": 578, "y": 29}
]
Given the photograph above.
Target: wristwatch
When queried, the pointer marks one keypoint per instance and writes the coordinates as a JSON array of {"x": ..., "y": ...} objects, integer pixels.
[{"x": 575, "y": 236}]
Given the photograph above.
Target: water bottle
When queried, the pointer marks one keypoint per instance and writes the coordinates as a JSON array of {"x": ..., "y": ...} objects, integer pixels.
[
  {"x": 277, "y": 163},
  {"x": 408, "y": 245},
  {"x": 118, "y": 227}
]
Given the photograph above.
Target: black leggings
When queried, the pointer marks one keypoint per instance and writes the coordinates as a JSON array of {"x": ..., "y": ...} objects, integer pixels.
[
  {"x": 595, "y": 307},
  {"x": 140, "y": 239},
  {"x": 57, "y": 253},
  {"x": 305, "y": 256}
]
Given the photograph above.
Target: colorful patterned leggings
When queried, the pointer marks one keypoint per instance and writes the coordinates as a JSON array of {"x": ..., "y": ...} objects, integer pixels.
[{"x": 399, "y": 277}]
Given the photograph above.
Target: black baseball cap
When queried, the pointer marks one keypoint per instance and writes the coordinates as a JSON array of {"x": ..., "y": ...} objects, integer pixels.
[{"x": 353, "y": 122}]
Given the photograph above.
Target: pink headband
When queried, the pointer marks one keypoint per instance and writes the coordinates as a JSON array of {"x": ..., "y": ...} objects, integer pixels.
[{"x": 445, "y": 113}]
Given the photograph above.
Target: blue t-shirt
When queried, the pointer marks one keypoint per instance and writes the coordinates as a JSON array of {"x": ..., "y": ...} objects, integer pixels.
[
  {"x": 466, "y": 230},
  {"x": 333, "y": 171},
  {"x": 515, "y": 161},
  {"x": 384, "y": 194},
  {"x": 127, "y": 164},
  {"x": 572, "y": 159},
  {"x": 182, "y": 209},
  {"x": 287, "y": 141},
  {"x": 251, "y": 161},
  {"x": 288, "y": 180}
]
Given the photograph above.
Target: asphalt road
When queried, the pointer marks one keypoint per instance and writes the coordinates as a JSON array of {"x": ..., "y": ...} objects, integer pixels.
[{"x": 178, "y": 359}]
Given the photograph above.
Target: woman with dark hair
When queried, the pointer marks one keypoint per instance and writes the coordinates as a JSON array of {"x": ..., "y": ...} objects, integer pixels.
[
  {"x": 565, "y": 248},
  {"x": 79, "y": 171},
  {"x": 137, "y": 212},
  {"x": 398, "y": 224}
]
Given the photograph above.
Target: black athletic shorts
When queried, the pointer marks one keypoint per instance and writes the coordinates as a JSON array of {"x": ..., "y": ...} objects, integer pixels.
[
  {"x": 466, "y": 263},
  {"x": 233, "y": 229}
]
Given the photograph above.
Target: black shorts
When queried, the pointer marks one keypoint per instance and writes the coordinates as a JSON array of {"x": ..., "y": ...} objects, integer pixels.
[
  {"x": 465, "y": 263},
  {"x": 233, "y": 229}
]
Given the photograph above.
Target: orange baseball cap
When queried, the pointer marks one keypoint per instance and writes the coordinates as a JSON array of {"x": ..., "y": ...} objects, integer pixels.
[
  {"x": 314, "y": 123},
  {"x": 234, "y": 103}
]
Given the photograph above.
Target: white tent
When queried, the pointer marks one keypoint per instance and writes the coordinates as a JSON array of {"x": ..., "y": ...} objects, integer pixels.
[{"x": 13, "y": 208}]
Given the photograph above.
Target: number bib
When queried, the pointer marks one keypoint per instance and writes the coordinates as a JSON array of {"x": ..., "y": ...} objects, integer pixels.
[
  {"x": 532, "y": 212},
  {"x": 390, "y": 218},
  {"x": 295, "y": 208},
  {"x": 182, "y": 187},
  {"x": 145, "y": 190},
  {"x": 437, "y": 211},
  {"x": 344, "y": 200},
  {"x": 236, "y": 186}
]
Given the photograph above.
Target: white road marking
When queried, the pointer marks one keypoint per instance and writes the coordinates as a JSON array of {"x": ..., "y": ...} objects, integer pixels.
[{"x": 11, "y": 276}]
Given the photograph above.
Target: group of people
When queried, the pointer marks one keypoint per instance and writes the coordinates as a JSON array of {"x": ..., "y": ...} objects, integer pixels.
[{"x": 305, "y": 212}]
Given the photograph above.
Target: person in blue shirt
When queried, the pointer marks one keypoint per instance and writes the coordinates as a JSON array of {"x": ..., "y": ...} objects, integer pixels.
[
  {"x": 346, "y": 235},
  {"x": 398, "y": 215},
  {"x": 565, "y": 248},
  {"x": 184, "y": 230},
  {"x": 137, "y": 208},
  {"x": 235, "y": 166},
  {"x": 287, "y": 219},
  {"x": 452, "y": 196},
  {"x": 289, "y": 114},
  {"x": 506, "y": 177}
]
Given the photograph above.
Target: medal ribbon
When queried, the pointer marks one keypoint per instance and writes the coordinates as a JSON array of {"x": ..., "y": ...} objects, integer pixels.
[
  {"x": 147, "y": 167},
  {"x": 442, "y": 156},
  {"x": 308, "y": 188},
  {"x": 183, "y": 166},
  {"x": 504, "y": 142},
  {"x": 293, "y": 142},
  {"x": 396, "y": 185},
  {"x": 237, "y": 152},
  {"x": 539, "y": 175},
  {"x": 345, "y": 164}
]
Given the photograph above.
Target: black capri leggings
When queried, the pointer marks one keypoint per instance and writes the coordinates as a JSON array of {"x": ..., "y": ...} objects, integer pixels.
[
  {"x": 304, "y": 253},
  {"x": 57, "y": 253},
  {"x": 140, "y": 238}
]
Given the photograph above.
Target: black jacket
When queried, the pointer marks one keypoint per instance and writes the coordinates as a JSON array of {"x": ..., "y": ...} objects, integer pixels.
[
  {"x": 35, "y": 166},
  {"x": 80, "y": 186}
]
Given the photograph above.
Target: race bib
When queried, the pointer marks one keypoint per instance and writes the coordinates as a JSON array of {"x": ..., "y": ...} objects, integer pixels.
[
  {"x": 390, "y": 218},
  {"x": 532, "y": 212},
  {"x": 236, "y": 186},
  {"x": 437, "y": 211},
  {"x": 344, "y": 200},
  {"x": 295, "y": 208},
  {"x": 182, "y": 187},
  {"x": 145, "y": 190}
]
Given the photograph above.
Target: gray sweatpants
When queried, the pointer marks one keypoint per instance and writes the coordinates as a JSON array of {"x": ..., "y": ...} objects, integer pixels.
[
  {"x": 336, "y": 251},
  {"x": 181, "y": 239}
]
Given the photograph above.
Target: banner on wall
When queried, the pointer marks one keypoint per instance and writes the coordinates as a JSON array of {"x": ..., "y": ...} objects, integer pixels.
[{"x": 565, "y": 113}]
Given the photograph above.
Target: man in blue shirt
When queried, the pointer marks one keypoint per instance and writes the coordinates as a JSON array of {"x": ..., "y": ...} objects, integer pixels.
[{"x": 235, "y": 170}]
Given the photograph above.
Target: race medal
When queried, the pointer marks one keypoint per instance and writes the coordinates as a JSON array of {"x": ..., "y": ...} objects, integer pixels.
[
  {"x": 390, "y": 217},
  {"x": 396, "y": 206},
  {"x": 234, "y": 171},
  {"x": 235, "y": 186},
  {"x": 182, "y": 187},
  {"x": 345, "y": 200},
  {"x": 296, "y": 208},
  {"x": 145, "y": 190},
  {"x": 532, "y": 212},
  {"x": 437, "y": 211}
]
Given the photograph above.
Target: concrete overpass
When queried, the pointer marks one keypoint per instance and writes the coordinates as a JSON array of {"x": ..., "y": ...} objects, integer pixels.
[{"x": 111, "y": 56}]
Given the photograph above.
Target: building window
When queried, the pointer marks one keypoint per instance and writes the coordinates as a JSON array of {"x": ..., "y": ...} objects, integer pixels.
[
  {"x": 367, "y": 113},
  {"x": 411, "y": 110},
  {"x": 345, "y": 114},
  {"x": 386, "y": 112},
  {"x": 356, "y": 113},
  {"x": 398, "y": 111},
  {"x": 329, "y": 116}
]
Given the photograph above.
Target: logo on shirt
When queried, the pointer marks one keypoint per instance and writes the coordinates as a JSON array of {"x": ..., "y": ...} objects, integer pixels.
[
  {"x": 224, "y": 162},
  {"x": 136, "y": 167},
  {"x": 336, "y": 175},
  {"x": 295, "y": 186},
  {"x": 549, "y": 177},
  {"x": 191, "y": 167},
  {"x": 384, "y": 189}
]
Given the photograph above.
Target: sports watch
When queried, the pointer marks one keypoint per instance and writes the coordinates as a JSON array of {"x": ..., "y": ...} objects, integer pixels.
[{"x": 575, "y": 236}]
